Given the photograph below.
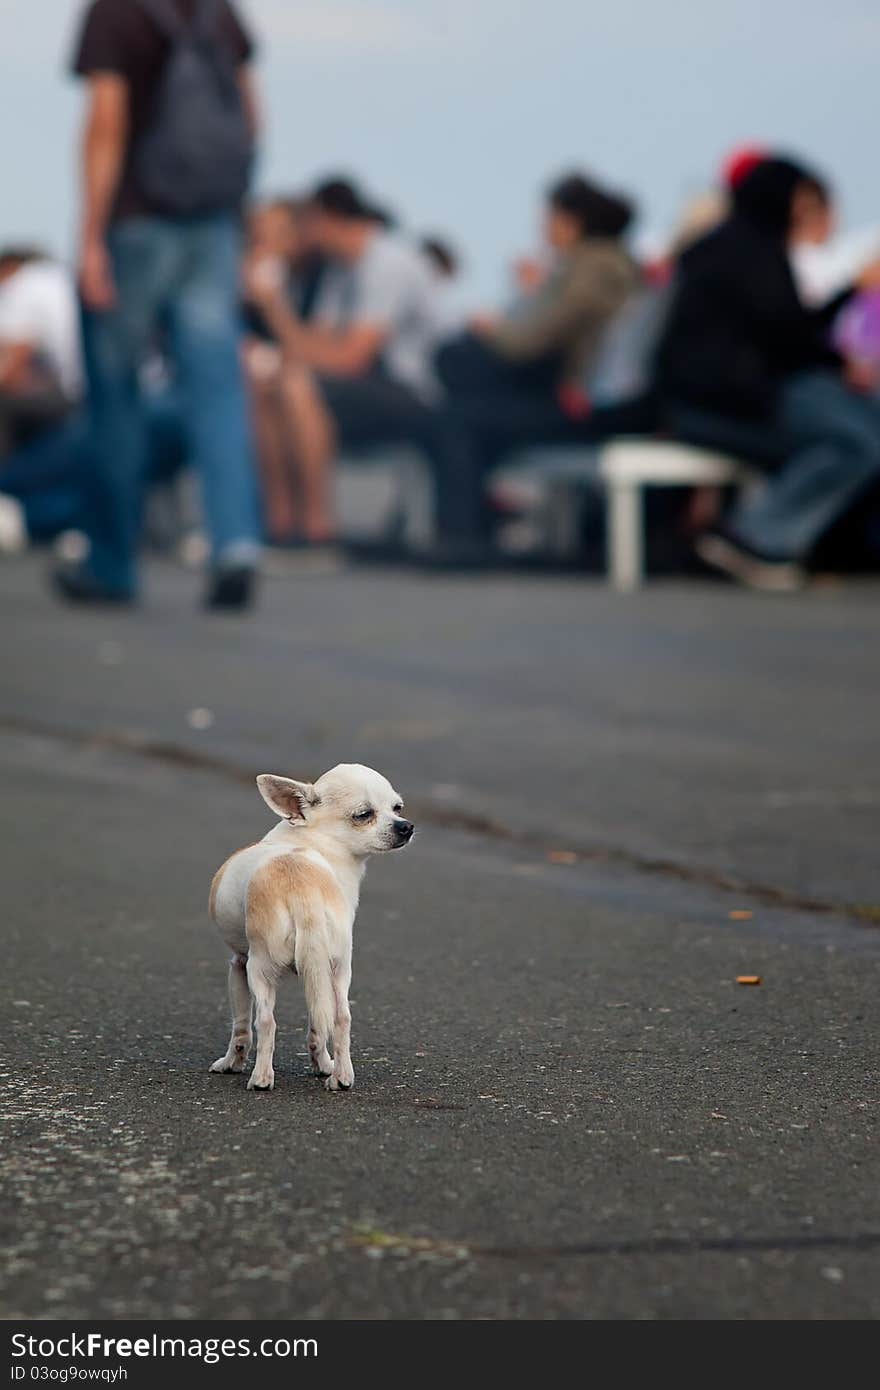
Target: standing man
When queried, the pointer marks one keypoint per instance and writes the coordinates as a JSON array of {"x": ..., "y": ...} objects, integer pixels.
[{"x": 167, "y": 153}]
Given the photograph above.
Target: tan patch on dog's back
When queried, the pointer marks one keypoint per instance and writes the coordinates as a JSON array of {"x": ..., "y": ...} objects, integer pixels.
[
  {"x": 215, "y": 881},
  {"x": 288, "y": 878}
]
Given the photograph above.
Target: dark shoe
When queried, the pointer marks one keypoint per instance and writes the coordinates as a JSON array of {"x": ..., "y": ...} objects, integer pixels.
[
  {"x": 303, "y": 544},
  {"x": 302, "y": 557},
  {"x": 232, "y": 586},
  {"x": 771, "y": 574},
  {"x": 77, "y": 585},
  {"x": 455, "y": 555}
]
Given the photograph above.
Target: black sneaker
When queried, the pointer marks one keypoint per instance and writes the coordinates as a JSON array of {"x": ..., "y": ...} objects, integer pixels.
[
  {"x": 231, "y": 587},
  {"x": 298, "y": 556},
  {"x": 451, "y": 555},
  {"x": 768, "y": 573},
  {"x": 77, "y": 585}
]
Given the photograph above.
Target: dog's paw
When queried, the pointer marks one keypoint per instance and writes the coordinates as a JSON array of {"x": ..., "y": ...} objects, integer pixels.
[
  {"x": 340, "y": 1079},
  {"x": 227, "y": 1064},
  {"x": 261, "y": 1081},
  {"x": 323, "y": 1065}
]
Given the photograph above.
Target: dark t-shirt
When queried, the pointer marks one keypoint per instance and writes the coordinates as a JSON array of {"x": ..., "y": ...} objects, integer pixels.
[
  {"x": 302, "y": 290},
  {"x": 118, "y": 36}
]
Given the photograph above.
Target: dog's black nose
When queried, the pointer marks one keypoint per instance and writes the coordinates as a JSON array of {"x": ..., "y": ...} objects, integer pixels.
[{"x": 404, "y": 828}]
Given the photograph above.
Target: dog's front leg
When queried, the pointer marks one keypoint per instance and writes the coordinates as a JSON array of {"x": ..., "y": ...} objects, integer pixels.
[
  {"x": 240, "y": 1003},
  {"x": 342, "y": 1075},
  {"x": 261, "y": 978}
]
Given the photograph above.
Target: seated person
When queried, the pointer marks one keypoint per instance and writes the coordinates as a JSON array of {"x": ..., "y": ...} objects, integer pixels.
[
  {"x": 744, "y": 365},
  {"x": 297, "y": 506},
  {"x": 551, "y": 335},
  {"x": 444, "y": 264},
  {"x": 41, "y": 383},
  {"x": 359, "y": 372},
  {"x": 45, "y": 439},
  {"x": 521, "y": 378}
]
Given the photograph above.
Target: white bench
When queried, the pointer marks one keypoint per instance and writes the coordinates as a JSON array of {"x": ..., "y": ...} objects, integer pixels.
[
  {"x": 396, "y": 481},
  {"x": 622, "y": 468},
  {"x": 627, "y": 467}
]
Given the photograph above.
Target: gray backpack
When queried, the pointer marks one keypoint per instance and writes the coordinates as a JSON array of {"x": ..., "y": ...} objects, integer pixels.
[{"x": 196, "y": 153}]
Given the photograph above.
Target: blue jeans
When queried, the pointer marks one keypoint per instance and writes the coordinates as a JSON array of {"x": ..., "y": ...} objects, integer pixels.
[
  {"x": 833, "y": 457},
  {"x": 48, "y": 472},
  {"x": 180, "y": 276},
  {"x": 45, "y": 474}
]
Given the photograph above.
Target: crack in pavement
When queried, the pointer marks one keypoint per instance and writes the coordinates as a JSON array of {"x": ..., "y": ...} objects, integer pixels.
[
  {"x": 397, "y": 1244},
  {"x": 177, "y": 755}
]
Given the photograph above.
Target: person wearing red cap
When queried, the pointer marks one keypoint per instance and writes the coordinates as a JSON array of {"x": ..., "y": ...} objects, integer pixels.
[
  {"x": 745, "y": 366},
  {"x": 740, "y": 162}
]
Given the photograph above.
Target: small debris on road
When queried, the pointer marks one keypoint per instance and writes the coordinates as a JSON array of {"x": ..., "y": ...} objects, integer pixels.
[
  {"x": 111, "y": 654},
  {"x": 200, "y": 718}
]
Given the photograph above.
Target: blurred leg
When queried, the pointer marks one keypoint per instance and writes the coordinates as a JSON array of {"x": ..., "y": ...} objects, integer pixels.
[
  {"x": 311, "y": 438},
  {"x": 205, "y": 335},
  {"x": 144, "y": 254},
  {"x": 762, "y": 444},
  {"x": 167, "y": 442},
  {"x": 835, "y": 457},
  {"x": 263, "y": 374},
  {"x": 375, "y": 410},
  {"x": 53, "y": 458},
  {"x": 46, "y": 474},
  {"x": 474, "y": 434},
  {"x": 703, "y": 508}
]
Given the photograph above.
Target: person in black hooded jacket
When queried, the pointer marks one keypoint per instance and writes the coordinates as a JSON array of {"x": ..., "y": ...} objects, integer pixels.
[
  {"x": 737, "y": 328},
  {"x": 745, "y": 366}
]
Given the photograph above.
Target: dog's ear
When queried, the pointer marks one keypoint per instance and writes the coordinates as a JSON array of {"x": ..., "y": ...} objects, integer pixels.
[{"x": 289, "y": 799}]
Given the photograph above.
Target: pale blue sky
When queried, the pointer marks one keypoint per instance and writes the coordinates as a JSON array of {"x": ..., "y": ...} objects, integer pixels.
[{"x": 457, "y": 111}]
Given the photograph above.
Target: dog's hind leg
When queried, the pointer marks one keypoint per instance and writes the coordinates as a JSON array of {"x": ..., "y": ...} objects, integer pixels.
[
  {"x": 342, "y": 1076},
  {"x": 262, "y": 974},
  {"x": 240, "y": 1003},
  {"x": 322, "y": 1062},
  {"x": 314, "y": 969}
]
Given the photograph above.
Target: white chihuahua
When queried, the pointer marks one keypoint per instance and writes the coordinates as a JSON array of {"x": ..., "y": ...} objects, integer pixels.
[{"x": 289, "y": 903}]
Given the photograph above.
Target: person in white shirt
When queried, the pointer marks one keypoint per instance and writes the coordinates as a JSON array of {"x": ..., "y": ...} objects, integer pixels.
[
  {"x": 822, "y": 269},
  {"x": 360, "y": 372},
  {"x": 41, "y": 374},
  {"x": 38, "y": 309},
  {"x": 41, "y": 385},
  {"x": 382, "y": 292}
]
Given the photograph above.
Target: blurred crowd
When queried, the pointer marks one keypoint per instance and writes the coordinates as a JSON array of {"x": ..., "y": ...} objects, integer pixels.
[{"x": 251, "y": 344}]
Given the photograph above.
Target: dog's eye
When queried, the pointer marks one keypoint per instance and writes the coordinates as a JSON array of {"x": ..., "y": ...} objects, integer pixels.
[
  {"x": 397, "y": 807},
  {"x": 362, "y": 816}
]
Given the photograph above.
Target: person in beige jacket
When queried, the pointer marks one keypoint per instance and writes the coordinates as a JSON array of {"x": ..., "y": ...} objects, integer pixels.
[
  {"x": 562, "y": 321},
  {"x": 522, "y": 377}
]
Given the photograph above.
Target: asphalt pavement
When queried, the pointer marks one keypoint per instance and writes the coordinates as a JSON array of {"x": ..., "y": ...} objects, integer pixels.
[{"x": 566, "y": 1106}]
